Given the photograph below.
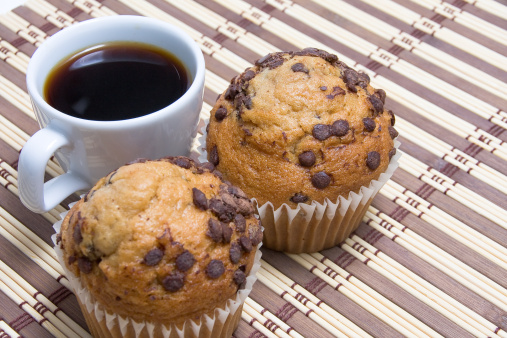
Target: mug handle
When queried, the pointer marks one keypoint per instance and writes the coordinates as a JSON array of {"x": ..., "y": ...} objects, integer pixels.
[{"x": 36, "y": 195}]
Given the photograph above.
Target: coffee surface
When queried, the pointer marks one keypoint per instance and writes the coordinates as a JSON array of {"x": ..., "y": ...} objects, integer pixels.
[{"x": 116, "y": 81}]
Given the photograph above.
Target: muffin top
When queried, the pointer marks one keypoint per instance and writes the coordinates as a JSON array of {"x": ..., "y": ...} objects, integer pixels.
[
  {"x": 161, "y": 241},
  {"x": 299, "y": 127}
]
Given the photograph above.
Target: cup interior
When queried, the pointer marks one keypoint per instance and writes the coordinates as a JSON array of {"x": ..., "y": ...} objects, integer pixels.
[{"x": 86, "y": 34}]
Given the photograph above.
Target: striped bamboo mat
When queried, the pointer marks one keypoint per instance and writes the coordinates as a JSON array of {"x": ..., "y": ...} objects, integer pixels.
[{"x": 430, "y": 258}]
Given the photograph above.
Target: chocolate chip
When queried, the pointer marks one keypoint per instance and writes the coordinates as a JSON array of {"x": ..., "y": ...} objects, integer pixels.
[
  {"x": 199, "y": 199},
  {"x": 77, "y": 235},
  {"x": 329, "y": 57},
  {"x": 274, "y": 63},
  {"x": 351, "y": 78},
  {"x": 215, "y": 268},
  {"x": 206, "y": 166},
  {"x": 242, "y": 100},
  {"x": 336, "y": 91},
  {"x": 319, "y": 53},
  {"x": 271, "y": 60},
  {"x": 240, "y": 223},
  {"x": 90, "y": 195},
  {"x": 378, "y": 106},
  {"x": 321, "y": 180},
  {"x": 363, "y": 80},
  {"x": 220, "y": 113},
  {"x": 255, "y": 234},
  {"x": 307, "y": 158},
  {"x": 299, "y": 198},
  {"x": 153, "y": 257},
  {"x": 71, "y": 259},
  {"x": 248, "y": 102},
  {"x": 215, "y": 230},
  {"x": 174, "y": 281},
  {"x": 262, "y": 59},
  {"x": 373, "y": 160},
  {"x": 311, "y": 51},
  {"x": 213, "y": 156},
  {"x": 238, "y": 100},
  {"x": 393, "y": 119},
  {"x": 239, "y": 277},
  {"x": 248, "y": 75},
  {"x": 244, "y": 206},
  {"x": 340, "y": 128},
  {"x": 381, "y": 94},
  {"x": 299, "y": 67},
  {"x": 369, "y": 124},
  {"x": 321, "y": 132},
  {"x": 247, "y": 132},
  {"x": 392, "y": 132},
  {"x": 236, "y": 192},
  {"x": 224, "y": 212},
  {"x": 185, "y": 261},
  {"x": 218, "y": 174},
  {"x": 246, "y": 243},
  {"x": 228, "y": 198},
  {"x": 392, "y": 152},
  {"x": 226, "y": 232},
  {"x": 183, "y": 162},
  {"x": 111, "y": 175},
  {"x": 323, "y": 88},
  {"x": 231, "y": 91},
  {"x": 235, "y": 252},
  {"x": 84, "y": 265}
]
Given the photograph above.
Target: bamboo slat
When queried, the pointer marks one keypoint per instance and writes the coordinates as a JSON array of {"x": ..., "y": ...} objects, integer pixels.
[
  {"x": 432, "y": 28},
  {"x": 365, "y": 296},
  {"x": 299, "y": 39},
  {"x": 5, "y": 329},
  {"x": 372, "y": 51},
  {"x": 426, "y": 288},
  {"x": 415, "y": 45},
  {"x": 333, "y": 322},
  {"x": 491, "y": 7},
  {"x": 404, "y": 282},
  {"x": 23, "y": 304},
  {"x": 36, "y": 300},
  {"x": 440, "y": 259},
  {"x": 258, "y": 26},
  {"x": 466, "y": 19},
  {"x": 270, "y": 320}
]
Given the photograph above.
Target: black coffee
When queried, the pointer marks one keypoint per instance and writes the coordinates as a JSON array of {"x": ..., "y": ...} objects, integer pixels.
[{"x": 116, "y": 81}]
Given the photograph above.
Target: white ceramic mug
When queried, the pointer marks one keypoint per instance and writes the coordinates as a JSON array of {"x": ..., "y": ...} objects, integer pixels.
[{"x": 88, "y": 150}]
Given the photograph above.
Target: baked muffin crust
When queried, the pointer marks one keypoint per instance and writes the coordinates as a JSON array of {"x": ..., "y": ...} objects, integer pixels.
[
  {"x": 298, "y": 127},
  {"x": 161, "y": 241}
]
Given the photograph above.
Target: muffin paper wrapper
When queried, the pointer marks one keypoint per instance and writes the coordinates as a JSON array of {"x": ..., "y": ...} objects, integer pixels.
[
  {"x": 316, "y": 226},
  {"x": 221, "y": 323}
]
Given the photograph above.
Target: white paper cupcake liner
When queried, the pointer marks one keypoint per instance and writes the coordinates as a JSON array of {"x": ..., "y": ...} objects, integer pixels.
[
  {"x": 221, "y": 323},
  {"x": 316, "y": 226}
]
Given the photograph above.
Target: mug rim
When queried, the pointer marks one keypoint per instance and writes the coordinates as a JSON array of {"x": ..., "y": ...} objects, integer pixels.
[{"x": 190, "y": 94}]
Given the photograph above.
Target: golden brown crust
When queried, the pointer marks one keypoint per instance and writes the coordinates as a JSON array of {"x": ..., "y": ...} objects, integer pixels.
[
  {"x": 300, "y": 126},
  {"x": 161, "y": 241}
]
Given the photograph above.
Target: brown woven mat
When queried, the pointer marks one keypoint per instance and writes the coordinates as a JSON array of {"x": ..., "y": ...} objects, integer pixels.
[{"x": 430, "y": 258}]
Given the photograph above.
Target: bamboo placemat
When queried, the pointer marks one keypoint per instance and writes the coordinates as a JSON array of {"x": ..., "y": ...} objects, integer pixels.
[{"x": 430, "y": 258}]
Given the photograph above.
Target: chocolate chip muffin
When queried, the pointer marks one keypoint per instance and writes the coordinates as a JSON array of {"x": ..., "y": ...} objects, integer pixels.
[
  {"x": 300, "y": 127},
  {"x": 163, "y": 241}
]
